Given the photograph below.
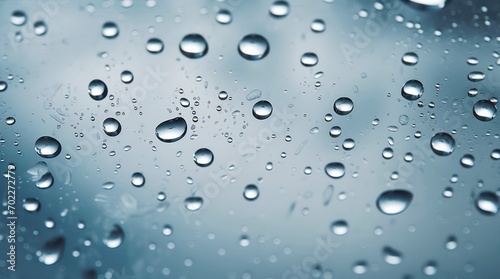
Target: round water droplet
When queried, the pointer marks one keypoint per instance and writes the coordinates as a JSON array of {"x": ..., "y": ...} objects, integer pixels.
[
  {"x": 154, "y": 45},
  {"x": 40, "y": 28},
  {"x": 111, "y": 127},
  {"x": 410, "y": 59},
  {"x": 45, "y": 181},
  {"x": 412, "y": 90},
  {"x": 476, "y": 76},
  {"x": 193, "y": 203},
  {"x": 193, "y": 46},
  {"x": 115, "y": 237},
  {"x": 167, "y": 230},
  {"x": 253, "y": 47},
  {"x": 391, "y": 255},
  {"x": 335, "y": 131},
  {"x": 108, "y": 185},
  {"x": 52, "y": 251},
  {"x": 309, "y": 59},
  {"x": 343, "y": 106},
  {"x": 3, "y": 86},
  {"x": 487, "y": 203},
  {"x": 224, "y": 16},
  {"x": 262, "y": 110},
  {"x": 430, "y": 268},
  {"x": 203, "y": 157},
  {"x": 10, "y": 120},
  {"x": 443, "y": 144},
  {"x": 18, "y": 18},
  {"x": 451, "y": 243},
  {"x": 223, "y": 95},
  {"x": 127, "y": 77},
  {"x": 31, "y": 204},
  {"x": 98, "y": 89},
  {"x": 49, "y": 223},
  {"x": 485, "y": 110},
  {"x": 360, "y": 267},
  {"x": 348, "y": 144},
  {"x": 318, "y": 25},
  {"x": 244, "y": 241},
  {"x": 495, "y": 154},
  {"x": 171, "y": 130},
  {"x": 427, "y": 4},
  {"x": 138, "y": 179},
  {"x": 448, "y": 192},
  {"x": 339, "y": 227},
  {"x": 251, "y": 192},
  {"x": 279, "y": 9},
  {"x": 335, "y": 170},
  {"x": 387, "y": 153},
  {"x": 110, "y": 30},
  {"x": 467, "y": 161},
  {"x": 47, "y": 147},
  {"x": 394, "y": 201}
]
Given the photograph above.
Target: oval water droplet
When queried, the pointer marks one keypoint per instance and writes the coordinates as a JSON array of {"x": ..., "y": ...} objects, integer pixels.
[
  {"x": 485, "y": 110},
  {"x": 262, "y": 110},
  {"x": 45, "y": 181},
  {"x": 108, "y": 185},
  {"x": 412, "y": 90},
  {"x": 115, "y": 237},
  {"x": 193, "y": 203},
  {"x": 224, "y": 16},
  {"x": 339, "y": 227},
  {"x": 467, "y": 161},
  {"x": 360, "y": 267},
  {"x": 279, "y": 9},
  {"x": 223, "y": 95},
  {"x": 391, "y": 255},
  {"x": 40, "y": 28},
  {"x": 335, "y": 131},
  {"x": 251, "y": 192},
  {"x": 253, "y": 47},
  {"x": 31, "y": 204},
  {"x": 476, "y": 76},
  {"x": 18, "y": 18},
  {"x": 427, "y": 4},
  {"x": 443, "y": 144},
  {"x": 318, "y": 25},
  {"x": 98, "y": 89},
  {"x": 410, "y": 59},
  {"x": 487, "y": 203},
  {"x": 430, "y": 268},
  {"x": 154, "y": 45},
  {"x": 495, "y": 154},
  {"x": 3, "y": 86},
  {"x": 343, "y": 106},
  {"x": 47, "y": 147},
  {"x": 309, "y": 59},
  {"x": 203, "y": 157},
  {"x": 193, "y": 46},
  {"x": 111, "y": 127},
  {"x": 110, "y": 30},
  {"x": 335, "y": 170},
  {"x": 138, "y": 179},
  {"x": 127, "y": 77},
  {"x": 394, "y": 201},
  {"x": 171, "y": 130},
  {"x": 10, "y": 120},
  {"x": 52, "y": 251}
]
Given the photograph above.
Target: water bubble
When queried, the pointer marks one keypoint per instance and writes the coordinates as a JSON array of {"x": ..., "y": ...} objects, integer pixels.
[
  {"x": 339, "y": 227},
  {"x": 412, "y": 90},
  {"x": 18, "y": 18},
  {"x": 154, "y": 45},
  {"x": 451, "y": 243},
  {"x": 251, "y": 192},
  {"x": 253, "y": 47},
  {"x": 309, "y": 59},
  {"x": 31, "y": 204},
  {"x": 335, "y": 131},
  {"x": 110, "y": 30},
  {"x": 223, "y": 95},
  {"x": 45, "y": 181},
  {"x": 115, "y": 237},
  {"x": 40, "y": 28},
  {"x": 335, "y": 170},
  {"x": 97, "y": 89},
  {"x": 171, "y": 130},
  {"x": 430, "y": 268},
  {"x": 410, "y": 59},
  {"x": 3, "y": 86},
  {"x": 343, "y": 106},
  {"x": 427, "y": 4},
  {"x": 467, "y": 161},
  {"x": 111, "y": 127},
  {"x": 223, "y": 16},
  {"x": 391, "y": 255},
  {"x": 485, "y": 110},
  {"x": 127, "y": 77},
  {"x": 279, "y": 9},
  {"x": 487, "y": 203},
  {"x": 193, "y": 46},
  {"x": 443, "y": 144},
  {"x": 138, "y": 179},
  {"x": 495, "y": 154},
  {"x": 52, "y": 251},
  {"x": 476, "y": 76},
  {"x": 318, "y": 25},
  {"x": 262, "y": 110},
  {"x": 193, "y": 203},
  {"x": 10, "y": 120},
  {"x": 47, "y": 147},
  {"x": 167, "y": 230},
  {"x": 108, "y": 185},
  {"x": 394, "y": 201},
  {"x": 203, "y": 157}
]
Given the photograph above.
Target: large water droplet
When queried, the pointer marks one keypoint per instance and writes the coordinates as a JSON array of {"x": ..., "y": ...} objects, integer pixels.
[
  {"x": 193, "y": 203},
  {"x": 110, "y": 30},
  {"x": 412, "y": 90},
  {"x": 18, "y": 18},
  {"x": 391, "y": 255},
  {"x": 45, "y": 181},
  {"x": 251, "y": 192},
  {"x": 394, "y": 201},
  {"x": 253, "y": 47},
  {"x": 262, "y": 110},
  {"x": 343, "y": 106},
  {"x": 410, "y": 59},
  {"x": 443, "y": 144},
  {"x": 476, "y": 76},
  {"x": 335, "y": 170},
  {"x": 339, "y": 227},
  {"x": 31, "y": 204},
  {"x": 3, "y": 86},
  {"x": 485, "y": 110},
  {"x": 52, "y": 251},
  {"x": 279, "y": 9},
  {"x": 138, "y": 179},
  {"x": 98, "y": 89},
  {"x": 111, "y": 127},
  {"x": 309, "y": 59},
  {"x": 154, "y": 45},
  {"x": 193, "y": 46},
  {"x": 115, "y": 237},
  {"x": 47, "y": 147},
  {"x": 171, "y": 130},
  {"x": 495, "y": 154},
  {"x": 426, "y": 4},
  {"x": 487, "y": 203},
  {"x": 203, "y": 157},
  {"x": 223, "y": 16}
]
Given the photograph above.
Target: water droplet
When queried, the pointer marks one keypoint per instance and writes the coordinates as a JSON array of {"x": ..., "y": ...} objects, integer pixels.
[
  {"x": 111, "y": 127},
  {"x": 254, "y": 94},
  {"x": 40, "y": 28},
  {"x": 193, "y": 46},
  {"x": 403, "y": 119},
  {"x": 343, "y": 106},
  {"x": 223, "y": 16},
  {"x": 318, "y": 26},
  {"x": 184, "y": 102},
  {"x": 31, "y": 204},
  {"x": 335, "y": 170},
  {"x": 430, "y": 268},
  {"x": 167, "y": 230},
  {"x": 412, "y": 90},
  {"x": 487, "y": 203},
  {"x": 391, "y": 255},
  {"x": 360, "y": 267},
  {"x": 253, "y": 47},
  {"x": 427, "y": 4},
  {"x": 279, "y": 9},
  {"x": 18, "y": 18},
  {"x": 52, "y": 251},
  {"x": 45, "y": 181},
  {"x": 193, "y": 203},
  {"x": 223, "y": 95},
  {"x": 110, "y": 30},
  {"x": 154, "y": 45},
  {"x": 485, "y": 110},
  {"x": 335, "y": 131},
  {"x": 108, "y": 185},
  {"x": 443, "y": 144},
  {"x": 138, "y": 179},
  {"x": 49, "y": 223},
  {"x": 244, "y": 241},
  {"x": 467, "y": 161},
  {"x": 251, "y": 192},
  {"x": 115, "y": 237},
  {"x": 472, "y": 61},
  {"x": 10, "y": 120},
  {"x": 476, "y": 76},
  {"x": 451, "y": 243},
  {"x": 47, "y": 147},
  {"x": 387, "y": 153},
  {"x": 339, "y": 227},
  {"x": 127, "y": 77},
  {"x": 98, "y": 89},
  {"x": 394, "y": 201},
  {"x": 495, "y": 154},
  {"x": 448, "y": 192},
  {"x": 203, "y": 157},
  {"x": 262, "y": 110},
  {"x": 309, "y": 59},
  {"x": 348, "y": 144},
  {"x": 410, "y": 59},
  {"x": 171, "y": 130},
  {"x": 3, "y": 86}
]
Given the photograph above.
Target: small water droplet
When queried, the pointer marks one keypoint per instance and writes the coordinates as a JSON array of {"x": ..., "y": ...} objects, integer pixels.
[
  {"x": 138, "y": 179},
  {"x": 339, "y": 227},
  {"x": 279, "y": 9},
  {"x": 52, "y": 251},
  {"x": 110, "y": 30},
  {"x": 387, "y": 153},
  {"x": 193, "y": 203},
  {"x": 253, "y": 47},
  {"x": 254, "y": 94},
  {"x": 485, "y": 110},
  {"x": 476, "y": 76},
  {"x": 111, "y": 127},
  {"x": 244, "y": 241},
  {"x": 430, "y": 268},
  {"x": 335, "y": 131},
  {"x": 251, "y": 192},
  {"x": 318, "y": 25},
  {"x": 47, "y": 147},
  {"x": 448, "y": 192},
  {"x": 31, "y": 204},
  {"x": 403, "y": 119},
  {"x": 451, "y": 243},
  {"x": 18, "y": 18},
  {"x": 193, "y": 46},
  {"x": 127, "y": 77},
  {"x": 443, "y": 144},
  {"x": 115, "y": 237},
  {"x": 262, "y": 110},
  {"x": 391, "y": 255},
  {"x": 224, "y": 16},
  {"x": 467, "y": 161},
  {"x": 360, "y": 267},
  {"x": 335, "y": 170},
  {"x": 45, "y": 181},
  {"x": 223, "y": 95},
  {"x": 495, "y": 154},
  {"x": 10, "y": 120},
  {"x": 98, "y": 89},
  {"x": 412, "y": 90},
  {"x": 3, "y": 86},
  {"x": 410, "y": 59},
  {"x": 171, "y": 130},
  {"x": 309, "y": 59},
  {"x": 108, "y": 185},
  {"x": 154, "y": 45},
  {"x": 167, "y": 230},
  {"x": 393, "y": 202},
  {"x": 343, "y": 106},
  {"x": 348, "y": 144},
  {"x": 203, "y": 157},
  {"x": 40, "y": 28},
  {"x": 487, "y": 203},
  {"x": 427, "y": 4}
]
